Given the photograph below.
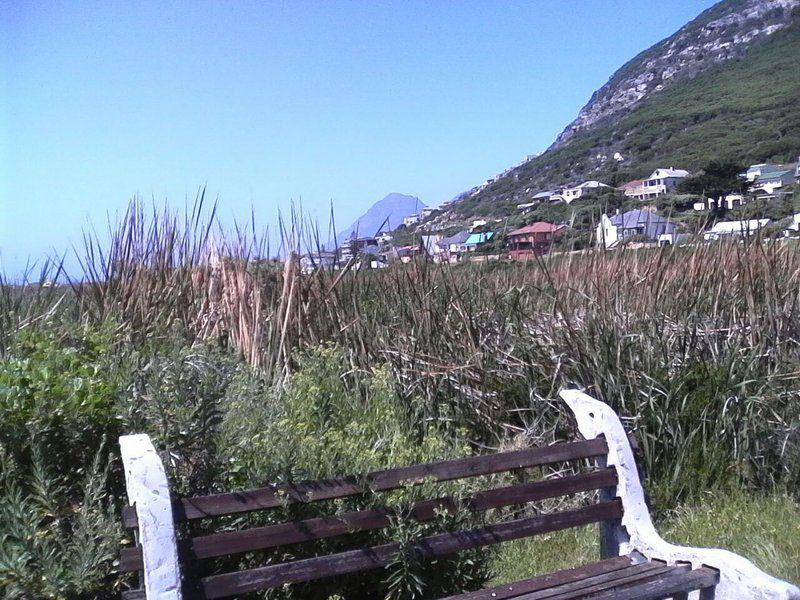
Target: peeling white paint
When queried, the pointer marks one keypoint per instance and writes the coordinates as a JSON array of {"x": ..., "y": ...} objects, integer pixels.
[
  {"x": 148, "y": 491},
  {"x": 739, "y": 578}
]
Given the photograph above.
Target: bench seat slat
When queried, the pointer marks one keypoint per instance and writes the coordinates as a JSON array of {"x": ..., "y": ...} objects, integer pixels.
[
  {"x": 664, "y": 587},
  {"x": 618, "y": 580},
  {"x": 260, "y": 538},
  {"x": 229, "y": 584},
  {"x": 199, "y": 507},
  {"x": 546, "y": 582}
]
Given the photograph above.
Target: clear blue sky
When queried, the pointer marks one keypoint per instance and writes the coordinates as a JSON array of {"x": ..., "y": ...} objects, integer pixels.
[{"x": 269, "y": 102}]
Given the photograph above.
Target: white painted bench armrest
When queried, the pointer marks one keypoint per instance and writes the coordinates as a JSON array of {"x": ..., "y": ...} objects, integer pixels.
[
  {"x": 739, "y": 578},
  {"x": 148, "y": 491}
]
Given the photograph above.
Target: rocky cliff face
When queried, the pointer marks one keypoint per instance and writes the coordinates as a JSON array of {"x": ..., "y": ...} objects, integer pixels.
[{"x": 722, "y": 32}]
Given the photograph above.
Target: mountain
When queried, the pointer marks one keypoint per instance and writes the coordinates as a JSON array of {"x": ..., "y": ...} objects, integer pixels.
[
  {"x": 723, "y": 86},
  {"x": 385, "y": 215}
]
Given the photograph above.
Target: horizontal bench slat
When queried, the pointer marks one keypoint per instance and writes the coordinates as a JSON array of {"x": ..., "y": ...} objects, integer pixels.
[
  {"x": 260, "y": 538},
  {"x": 228, "y": 584},
  {"x": 619, "y": 580},
  {"x": 312, "y": 491},
  {"x": 546, "y": 582},
  {"x": 665, "y": 587}
]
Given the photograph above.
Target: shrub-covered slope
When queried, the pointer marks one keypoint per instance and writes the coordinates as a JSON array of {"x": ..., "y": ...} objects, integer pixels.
[{"x": 745, "y": 108}]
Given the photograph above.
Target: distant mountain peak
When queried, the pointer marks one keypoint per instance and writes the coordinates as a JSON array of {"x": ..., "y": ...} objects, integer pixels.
[{"x": 385, "y": 215}]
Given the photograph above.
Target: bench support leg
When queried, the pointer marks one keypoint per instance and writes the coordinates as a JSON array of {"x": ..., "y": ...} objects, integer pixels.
[
  {"x": 148, "y": 491},
  {"x": 612, "y": 533}
]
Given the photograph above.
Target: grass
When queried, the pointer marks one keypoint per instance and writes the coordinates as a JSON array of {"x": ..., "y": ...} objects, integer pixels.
[{"x": 762, "y": 528}]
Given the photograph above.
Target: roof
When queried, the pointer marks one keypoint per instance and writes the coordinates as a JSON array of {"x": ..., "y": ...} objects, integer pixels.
[
  {"x": 538, "y": 227},
  {"x": 658, "y": 173},
  {"x": 632, "y": 184},
  {"x": 456, "y": 238},
  {"x": 773, "y": 174},
  {"x": 593, "y": 183},
  {"x": 546, "y": 194},
  {"x": 738, "y": 226},
  {"x": 479, "y": 238},
  {"x": 636, "y": 218}
]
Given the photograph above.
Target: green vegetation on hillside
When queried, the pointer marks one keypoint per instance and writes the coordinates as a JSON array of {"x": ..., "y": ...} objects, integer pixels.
[{"x": 743, "y": 110}]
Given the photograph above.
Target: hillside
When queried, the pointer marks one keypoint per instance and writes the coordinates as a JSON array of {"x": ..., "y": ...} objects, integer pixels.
[
  {"x": 743, "y": 107},
  {"x": 385, "y": 215}
]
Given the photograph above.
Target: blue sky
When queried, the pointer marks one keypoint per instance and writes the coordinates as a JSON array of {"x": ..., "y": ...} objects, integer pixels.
[{"x": 269, "y": 102}]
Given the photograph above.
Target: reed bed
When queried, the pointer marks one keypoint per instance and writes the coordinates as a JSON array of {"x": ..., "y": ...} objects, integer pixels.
[{"x": 697, "y": 347}]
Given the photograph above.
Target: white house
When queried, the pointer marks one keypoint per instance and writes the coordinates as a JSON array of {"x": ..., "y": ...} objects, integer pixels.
[
  {"x": 660, "y": 182},
  {"x": 573, "y": 193},
  {"x": 477, "y": 223},
  {"x": 431, "y": 244},
  {"x": 771, "y": 181},
  {"x": 410, "y": 220},
  {"x": 754, "y": 171},
  {"x": 724, "y": 229},
  {"x": 428, "y": 211},
  {"x": 730, "y": 202},
  {"x": 794, "y": 227},
  {"x": 637, "y": 223}
]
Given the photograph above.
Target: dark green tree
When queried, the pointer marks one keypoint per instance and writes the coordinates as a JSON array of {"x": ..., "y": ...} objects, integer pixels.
[{"x": 717, "y": 178}]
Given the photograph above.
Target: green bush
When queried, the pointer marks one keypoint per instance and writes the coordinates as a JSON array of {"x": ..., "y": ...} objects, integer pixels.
[
  {"x": 58, "y": 390},
  {"x": 328, "y": 421}
]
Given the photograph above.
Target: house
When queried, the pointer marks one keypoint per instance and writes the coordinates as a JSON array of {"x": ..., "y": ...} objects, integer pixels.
[
  {"x": 477, "y": 223},
  {"x": 476, "y": 240},
  {"x": 317, "y": 260},
  {"x": 451, "y": 248},
  {"x": 674, "y": 239},
  {"x": 526, "y": 208},
  {"x": 660, "y": 182},
  {"x": 358, "y": 245},
  {"x": 573, "y": 193},
  {"x": 411, "y": 220},
  {"x": 633, "y": 189},
  {"x": 532, "y": 240},
  {"x": 384, "y": 238},
  {"x": 547, "y": 196},
  {"x": 730, "y": 201},
  {"x": 430, "y": 243},
  {"x": 755, "y": 171},
  {"x": 635, "y": 223},
  {"x": 428, "y": 211},
  {"x": 794, "y": 227},
  {"x": 771, "y": 181},
  {"x": 723, "y": 229}
]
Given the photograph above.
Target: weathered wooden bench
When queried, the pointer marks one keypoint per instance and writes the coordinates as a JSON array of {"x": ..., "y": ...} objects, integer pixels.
[{"x": 636, "y": 563}]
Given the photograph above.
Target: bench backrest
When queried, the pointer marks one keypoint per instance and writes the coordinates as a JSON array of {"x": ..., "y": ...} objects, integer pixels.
[{"x": 583, "y": 461}]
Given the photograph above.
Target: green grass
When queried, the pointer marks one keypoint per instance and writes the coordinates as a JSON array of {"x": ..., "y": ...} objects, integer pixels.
[{"x": 762, "y": 528}]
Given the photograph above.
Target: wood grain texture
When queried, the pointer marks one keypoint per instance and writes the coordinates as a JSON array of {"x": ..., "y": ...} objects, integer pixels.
[
  {"x": 259, "y": 538},
  {"x": 229, "y": 584}
]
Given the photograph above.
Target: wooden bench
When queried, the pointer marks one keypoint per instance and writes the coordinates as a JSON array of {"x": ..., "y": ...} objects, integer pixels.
[{"x": 636, "y": 563}]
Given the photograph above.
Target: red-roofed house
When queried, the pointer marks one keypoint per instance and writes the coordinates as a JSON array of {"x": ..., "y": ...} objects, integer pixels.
[{"x": 532, "y": 240}]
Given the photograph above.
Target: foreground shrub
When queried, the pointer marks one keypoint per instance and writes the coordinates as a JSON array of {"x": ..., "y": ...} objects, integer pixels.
[
  {"x": 58, "y": 391},
  {"x": 330, "y": 421},
  {"x": 56, "y": 542}
]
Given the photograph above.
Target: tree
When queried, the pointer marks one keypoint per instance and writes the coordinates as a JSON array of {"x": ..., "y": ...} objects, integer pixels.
[{"x": 717, "y": 178}]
